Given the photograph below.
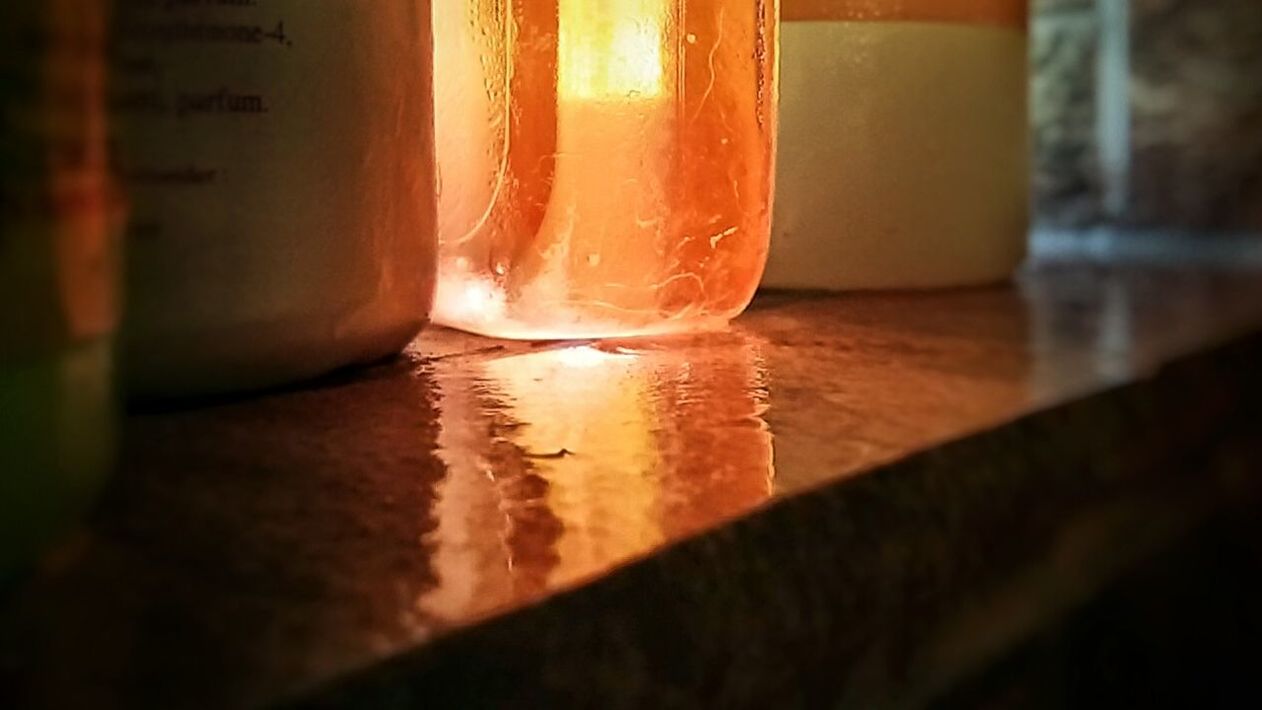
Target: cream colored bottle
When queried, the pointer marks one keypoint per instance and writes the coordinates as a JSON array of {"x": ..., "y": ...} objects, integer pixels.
[
  {"x": 903, "y": 144},
  {"x": 58, "y": 261},
  {"x": 279, "y": 157}
]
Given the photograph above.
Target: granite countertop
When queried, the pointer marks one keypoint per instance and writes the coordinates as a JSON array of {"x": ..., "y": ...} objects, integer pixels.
[{"x": 853, "y": 500}]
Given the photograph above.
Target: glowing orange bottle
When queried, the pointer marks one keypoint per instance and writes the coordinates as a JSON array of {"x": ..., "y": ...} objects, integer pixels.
[{"x": 604, "y": 168}]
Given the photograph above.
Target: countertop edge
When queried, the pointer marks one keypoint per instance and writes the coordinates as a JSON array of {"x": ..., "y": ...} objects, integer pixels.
[{"x": 801, "y": 601}]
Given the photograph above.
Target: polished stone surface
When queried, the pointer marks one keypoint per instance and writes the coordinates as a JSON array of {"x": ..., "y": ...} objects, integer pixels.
[{"x": 502, "y": 512}]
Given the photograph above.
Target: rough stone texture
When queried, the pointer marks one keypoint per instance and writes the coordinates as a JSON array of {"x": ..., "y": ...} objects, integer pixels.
[{"x": 1197, "y": 113}]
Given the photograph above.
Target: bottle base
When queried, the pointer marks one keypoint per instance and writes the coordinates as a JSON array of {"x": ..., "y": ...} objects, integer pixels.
[
  {"x": 256, "y": 356},
  {"x": 482, "y": 308}
]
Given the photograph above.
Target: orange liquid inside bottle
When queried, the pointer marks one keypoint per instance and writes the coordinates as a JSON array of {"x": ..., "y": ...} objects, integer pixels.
[{"x": 605, "y": 169}]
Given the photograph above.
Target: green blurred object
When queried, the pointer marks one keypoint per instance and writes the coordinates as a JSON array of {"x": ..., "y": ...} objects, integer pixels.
[
  {"x": 58, "y": 273},
  {"x": 56, "y": 444}
]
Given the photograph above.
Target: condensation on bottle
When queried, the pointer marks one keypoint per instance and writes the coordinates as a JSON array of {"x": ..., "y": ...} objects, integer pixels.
[{"x": 605, "y": 169}]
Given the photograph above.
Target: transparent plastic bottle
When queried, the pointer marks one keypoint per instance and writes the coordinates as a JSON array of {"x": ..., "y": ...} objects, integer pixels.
[
  {"x": 904, "y": 144},
  {"x": 58, "y": 264},
  {"x": 279, "y": 158},
  {"x": 605, "y": 168}
]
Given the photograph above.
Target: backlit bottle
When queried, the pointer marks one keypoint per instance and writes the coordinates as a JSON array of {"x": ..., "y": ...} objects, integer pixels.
[{"x": 605, "y": 168}]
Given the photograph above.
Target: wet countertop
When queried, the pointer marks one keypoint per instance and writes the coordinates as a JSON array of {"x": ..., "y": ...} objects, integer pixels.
[{"x": 845, "y": 499}]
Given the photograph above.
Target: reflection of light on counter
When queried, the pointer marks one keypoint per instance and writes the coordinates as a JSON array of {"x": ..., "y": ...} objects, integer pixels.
[
  {"x": 586, "y": 357},
  {"x": 588, "y": 427},
  {"x": 563, "y": 463},
  {"x": 469, "y": 543}
]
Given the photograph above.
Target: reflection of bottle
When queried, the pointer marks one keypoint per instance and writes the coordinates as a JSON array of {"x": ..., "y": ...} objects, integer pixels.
[
  {"x": 605, "y": 167},
  {"x": 903, "y": 159},
  {"x": 583, "y": 458},
  {"x": 57, "y": 269},
  {"x": 279, "y": 156}
]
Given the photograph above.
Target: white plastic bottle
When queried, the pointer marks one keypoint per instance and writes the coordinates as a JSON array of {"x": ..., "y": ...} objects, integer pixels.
[{"x": 279, "y": 157}]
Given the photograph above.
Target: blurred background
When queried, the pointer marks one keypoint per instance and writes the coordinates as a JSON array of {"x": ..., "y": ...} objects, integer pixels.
[{"x": 1148, "y": 114}]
